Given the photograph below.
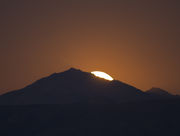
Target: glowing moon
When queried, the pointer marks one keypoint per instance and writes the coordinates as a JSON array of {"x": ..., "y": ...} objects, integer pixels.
[{"x": 102, "y": 75}]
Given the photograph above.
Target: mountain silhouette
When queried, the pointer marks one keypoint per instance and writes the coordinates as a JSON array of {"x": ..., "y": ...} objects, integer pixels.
[
  {"x": 78, "y": 103},
  {"x": 73, "y": 86},
  {"x": 158, "y": 92}
]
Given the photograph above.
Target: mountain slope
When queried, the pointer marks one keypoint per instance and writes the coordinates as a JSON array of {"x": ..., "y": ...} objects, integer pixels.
[{"x": 73, "y": 86}]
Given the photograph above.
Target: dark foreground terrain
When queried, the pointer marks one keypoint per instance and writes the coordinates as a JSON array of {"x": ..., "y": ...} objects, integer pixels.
[
  {"x": 148, "y": 118},
  {"x": 76, "y": 103}
]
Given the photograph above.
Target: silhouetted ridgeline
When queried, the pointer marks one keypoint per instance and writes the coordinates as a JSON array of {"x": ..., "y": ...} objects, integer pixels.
[
  {"x": 74, "y": 86},
  {"x": 78, "y": 103},
  {"x": 70, "y": 87}
]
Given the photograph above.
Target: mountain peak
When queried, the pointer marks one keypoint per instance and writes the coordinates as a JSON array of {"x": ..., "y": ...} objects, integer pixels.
[
  {"x": 69, "y": 71},
  {"x": 158, "y": 91},
  {"x": 73, "y": 69}
]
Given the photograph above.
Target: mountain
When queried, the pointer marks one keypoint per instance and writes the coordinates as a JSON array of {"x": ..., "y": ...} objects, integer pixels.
[
  {"x": 160, "y": 93},
  {"x": 78, "y": 103},
  {"x": 71, "y": 87}
]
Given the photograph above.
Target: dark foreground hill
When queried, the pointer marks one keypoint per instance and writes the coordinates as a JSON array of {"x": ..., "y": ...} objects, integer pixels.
[{"x": 150, "y": 118}]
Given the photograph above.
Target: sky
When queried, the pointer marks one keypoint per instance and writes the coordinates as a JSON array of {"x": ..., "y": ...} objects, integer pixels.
[{"x": 134, "y": 41}]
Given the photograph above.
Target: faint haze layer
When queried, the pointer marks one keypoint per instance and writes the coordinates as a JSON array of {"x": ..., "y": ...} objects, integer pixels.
[{"x": 136, "y": 41}]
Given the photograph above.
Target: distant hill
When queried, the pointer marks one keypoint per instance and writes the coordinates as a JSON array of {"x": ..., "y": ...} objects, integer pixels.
[{"x": 160, "y": 93}]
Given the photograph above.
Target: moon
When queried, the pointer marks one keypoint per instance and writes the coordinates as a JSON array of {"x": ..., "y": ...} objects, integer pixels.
[{"x": 102, "y": 75}]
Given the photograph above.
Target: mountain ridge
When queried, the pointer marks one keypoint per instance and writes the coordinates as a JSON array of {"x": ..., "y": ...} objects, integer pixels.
[{"x": 74, "y": 86}]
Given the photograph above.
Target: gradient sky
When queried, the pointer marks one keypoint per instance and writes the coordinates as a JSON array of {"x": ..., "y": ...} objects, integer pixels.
[{"x": 135, "y": 41}]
